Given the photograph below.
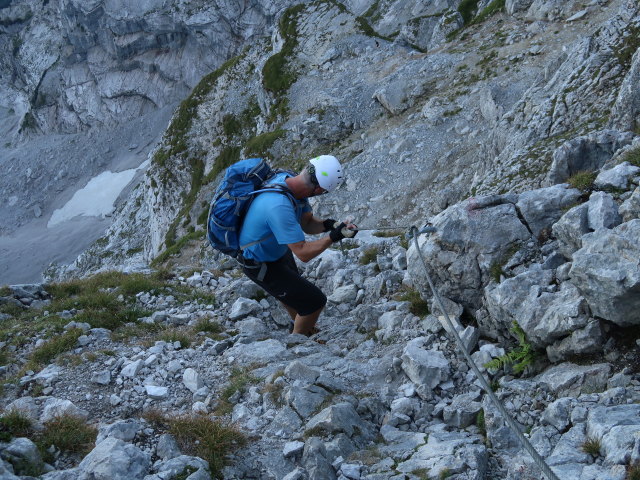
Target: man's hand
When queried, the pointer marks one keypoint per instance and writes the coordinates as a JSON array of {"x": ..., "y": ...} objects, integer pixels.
[
  {"x": 329, "y": 224},
  {"x": 343, "y": 230}
]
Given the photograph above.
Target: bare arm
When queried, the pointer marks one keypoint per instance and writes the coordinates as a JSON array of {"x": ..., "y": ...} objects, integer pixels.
[
  {"x": 310, "y": 224},
  {"x": 306, "y": 251}
]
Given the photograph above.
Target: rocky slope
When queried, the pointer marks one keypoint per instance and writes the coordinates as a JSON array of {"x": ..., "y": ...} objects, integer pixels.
[
  {"x": 381, "y": 392},
  {"x": 481, "y": 134}
]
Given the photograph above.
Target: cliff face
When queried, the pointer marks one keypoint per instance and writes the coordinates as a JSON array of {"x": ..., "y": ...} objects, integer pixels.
[
  {"x": 426, "y": 103},
  {"x": 67, "y": 65}
]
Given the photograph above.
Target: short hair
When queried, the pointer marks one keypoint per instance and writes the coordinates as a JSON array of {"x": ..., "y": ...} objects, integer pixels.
[{"x": 308, "y": 177}]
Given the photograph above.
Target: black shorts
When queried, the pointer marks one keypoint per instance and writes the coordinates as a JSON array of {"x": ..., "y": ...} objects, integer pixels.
[{"x": 283, "y": 281}]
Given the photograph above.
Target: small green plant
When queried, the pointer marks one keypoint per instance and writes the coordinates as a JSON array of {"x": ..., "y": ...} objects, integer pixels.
[
  {"x": 491, "y": 9},
  {"x": 369, "y": 255},
  {"x": 481, "y": 423},
  {"x": 260, "y": 144},
  {"x": 632, "y": 156},
  {"x": 421, "y": 473},
  {"x": 184, "y": 474},
  {"x": 633, "y": 472},
  {"x": 467, "y": 9},
  {"x": 582, "y": 180},
  {"x": 496, "y": 271},
  {"x": 201, "y": 436},
  {"x": 520, "y": 357},
  {"x": 69, "y": 434},
  {"x": 172, "y": 335},
  {"x": 14, "y": 423},
  {"x": 49, "y": 350},
  {"x": 418, "y": 306},
  {"x": 444, "y": 473},
  {"x": 592, "y": 446},
  {"x": 239, "y": 380},
  {"x": 208, "y": 326}
]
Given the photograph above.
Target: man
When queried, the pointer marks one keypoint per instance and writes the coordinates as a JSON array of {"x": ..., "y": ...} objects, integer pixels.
[{"x": 274, "y": 230}]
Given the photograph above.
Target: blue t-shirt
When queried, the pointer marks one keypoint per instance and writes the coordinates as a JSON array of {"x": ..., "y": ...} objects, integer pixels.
[{"x": 272, "y": 217}]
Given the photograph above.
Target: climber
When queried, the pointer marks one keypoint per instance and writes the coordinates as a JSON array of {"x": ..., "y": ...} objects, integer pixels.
[{"x": 269, "y": 262}]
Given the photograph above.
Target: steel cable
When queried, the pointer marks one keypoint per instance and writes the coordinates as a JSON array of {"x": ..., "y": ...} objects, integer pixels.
[{"x": 539, "y": 461}]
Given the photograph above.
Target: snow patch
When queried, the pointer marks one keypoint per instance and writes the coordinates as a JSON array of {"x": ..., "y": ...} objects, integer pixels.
[{"x": 96, "y": 199}]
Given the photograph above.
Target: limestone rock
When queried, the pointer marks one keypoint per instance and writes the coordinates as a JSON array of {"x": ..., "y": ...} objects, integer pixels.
[
  {"x": 114, "y": 459},
  {"x": 424, "y": 367},
  {"x": 607, "y": 273}
]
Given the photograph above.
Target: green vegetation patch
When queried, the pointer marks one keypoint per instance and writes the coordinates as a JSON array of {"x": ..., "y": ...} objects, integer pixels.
[
  {"x": 175, "y": 138},
  {"x": 592, "y": 446},
  {"x": 53, "y": 347},
  {"x": 239, "y": 380},
  {"x": 491, "y": 9},
  {"x": 387, "y": 233},
  {"x": 16, "y": 424},
  {"x": 370, "y": 255},
  {"x": 176, "y": 247},
  {"x": 521, "y": 357},
  {"x": 260, "y": 144},
  {"x": 582, "y": 180},
  {"x": 418, "y": 306},
  {"x": 277, "y": 73},
  {"x": 632, "y": 156},
  {"x": 467, "y": 9},
  {"x": 69, "y": 434}
]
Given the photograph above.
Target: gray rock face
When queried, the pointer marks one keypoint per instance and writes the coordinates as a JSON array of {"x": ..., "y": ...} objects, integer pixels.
[
  {"x": 338, "y": 418},
  {"x": 543, "y": 207},
  {"x": 114, "y": 459},
  {"x": 624, "y": 113},
  {"x": 424, "y": 367},
  {"x": 617, "y": 426},
  {"x": 617, "y": 177},
  {"x": 607, "y": 273},
  {"x": 23, "y": 454},
  {"x": 603, "y": 212},
  {"x": 570, "y": 229},
  {"x": 463, "y": 411},
  {"x": 470, "y": 237},
  {"x": 586, "y": 153},
  {"x": 569, "y": 379},
  {"x": 630, "y": 208}
]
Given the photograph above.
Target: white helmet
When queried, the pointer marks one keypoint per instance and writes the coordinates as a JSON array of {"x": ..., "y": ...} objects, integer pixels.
[{"x": 328, "y": 171}]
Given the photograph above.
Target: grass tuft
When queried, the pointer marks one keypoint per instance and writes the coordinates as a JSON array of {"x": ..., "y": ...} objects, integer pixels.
[
  {"x": 201, "y": 436},
  {"x": 69, "y": 434},
  {"x": 240, "y": 379},
  {"x": 592, "y": 446},
  {"x": 633, "y": 472},
  {"x": 49, "y": 350},
  {"x": 583, "y": 180},
  {"x": 418, "y": 306},
  {"x": 632, "y": 156},
  {"x": 14, "y": 423},
  {"x": 369, "y": 255}
]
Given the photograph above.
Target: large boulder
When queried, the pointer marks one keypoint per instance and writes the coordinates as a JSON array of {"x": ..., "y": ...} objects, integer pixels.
[
  {"x": 607, "y": 273},
  {"x": 589, "y": 152},
  {"x": 471, "y": 236},
  {"x": 543, "y": 207}
]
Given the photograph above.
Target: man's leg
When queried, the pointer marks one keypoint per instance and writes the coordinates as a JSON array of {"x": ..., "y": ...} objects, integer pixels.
[
  {"x": 304, "y": 323},
  {"x": 292, "y": 313}
]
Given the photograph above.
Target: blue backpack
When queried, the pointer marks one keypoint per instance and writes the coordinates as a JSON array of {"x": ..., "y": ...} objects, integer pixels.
[{"x": 241, "y": 182}]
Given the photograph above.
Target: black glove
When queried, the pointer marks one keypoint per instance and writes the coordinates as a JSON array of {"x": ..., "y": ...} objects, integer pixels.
[
  {"x": 328, "y": 224},
  {"x": 341, "y": 231}
]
